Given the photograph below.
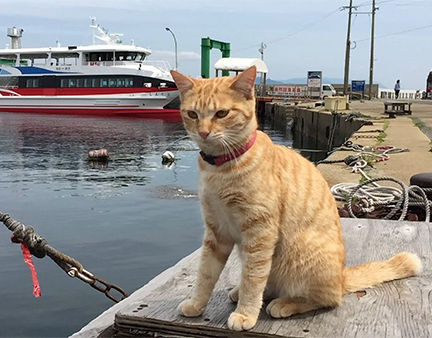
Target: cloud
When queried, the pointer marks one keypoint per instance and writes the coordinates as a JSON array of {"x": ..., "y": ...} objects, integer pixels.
[
  {"x": 181, "y": 55},
  {"x": 189, "y": 56}
]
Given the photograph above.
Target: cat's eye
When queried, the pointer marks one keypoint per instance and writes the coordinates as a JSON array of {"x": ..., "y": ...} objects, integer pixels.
[
  {"x": 192, "y": 114},
  {"x": 222, "y": 113}
]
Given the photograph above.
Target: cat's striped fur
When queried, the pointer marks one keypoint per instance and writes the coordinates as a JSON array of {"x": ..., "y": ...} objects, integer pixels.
[{"x": 275, "y": 206}]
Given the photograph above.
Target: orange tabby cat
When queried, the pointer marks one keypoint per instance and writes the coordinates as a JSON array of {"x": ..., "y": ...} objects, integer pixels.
[{"x": 274, "y": 205}]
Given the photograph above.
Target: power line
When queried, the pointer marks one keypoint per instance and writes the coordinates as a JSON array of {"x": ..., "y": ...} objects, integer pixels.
[
  {"x": 305, "y": 27},
  {"x": 396, "y": 33},
  {"x": 368, "y": 3},
  {"x": 313, "y": 23},
  {"x": 412, "y": 4},
  {"x": 386, "y": 2}
]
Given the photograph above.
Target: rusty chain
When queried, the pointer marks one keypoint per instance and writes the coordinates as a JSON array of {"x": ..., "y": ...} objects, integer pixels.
[{"x": 40, "y": 248}]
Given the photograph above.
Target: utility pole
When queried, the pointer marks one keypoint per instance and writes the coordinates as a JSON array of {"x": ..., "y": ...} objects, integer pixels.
[
  {"x": 372, "y": 49},
  {"x": 261, "y": 50},
  {"x": 347, "y": 49},
  {"x": 263, "y": 76}
]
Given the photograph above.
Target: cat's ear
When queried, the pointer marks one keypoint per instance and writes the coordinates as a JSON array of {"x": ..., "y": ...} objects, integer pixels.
[
  {"x": 183, "y": 82},
  {"x": 244, "y": 83}
]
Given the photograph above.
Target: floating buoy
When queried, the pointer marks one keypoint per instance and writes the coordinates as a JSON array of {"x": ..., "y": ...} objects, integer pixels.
[
  {"x": 98, "y": 155},
  {"x": 168, "y": 157}
]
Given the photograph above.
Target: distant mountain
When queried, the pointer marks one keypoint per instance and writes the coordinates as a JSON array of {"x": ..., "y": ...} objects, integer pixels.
[
  {"x": 302, "y": 80},
  {"x": 268, "y": 81}
]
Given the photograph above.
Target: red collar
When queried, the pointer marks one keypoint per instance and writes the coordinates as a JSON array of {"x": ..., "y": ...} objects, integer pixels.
[{"x": 219, "y": 160}]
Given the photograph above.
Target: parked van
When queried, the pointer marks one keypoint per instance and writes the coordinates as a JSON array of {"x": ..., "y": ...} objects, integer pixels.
[
  {"x": 429, "y": 86},
  {"x": 327, "y": 90}
]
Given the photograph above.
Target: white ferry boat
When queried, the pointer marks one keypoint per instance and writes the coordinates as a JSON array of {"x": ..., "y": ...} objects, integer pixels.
[{"x": 106, "y": 78}]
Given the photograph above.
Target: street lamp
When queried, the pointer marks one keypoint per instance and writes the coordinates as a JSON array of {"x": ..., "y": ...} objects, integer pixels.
[{"x": 175, "y": 46}]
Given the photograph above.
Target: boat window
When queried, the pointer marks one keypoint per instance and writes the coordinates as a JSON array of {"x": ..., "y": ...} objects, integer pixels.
[
  {"x": 141, "y": 57},
  {"x": 96, "y": 83},
  {"x": 120, "y": 82},
  {"x": 63, "y": 83},
  {"x": 104, "y": 83},
  {"x": 72, "y": 83},
  {"x": 129, "y": 56},
  {"x": 87, "y": 83},
  {"x": 82, "y": 82},
  {"x": 105, "y": 56},
  {"x": 32, "y": 83},
  {"x": 120, "y": 56},
  {"x": 112, "y": 82}
]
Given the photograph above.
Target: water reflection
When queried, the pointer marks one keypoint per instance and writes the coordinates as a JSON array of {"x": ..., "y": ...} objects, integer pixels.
[{"x": 55, "y": 148}]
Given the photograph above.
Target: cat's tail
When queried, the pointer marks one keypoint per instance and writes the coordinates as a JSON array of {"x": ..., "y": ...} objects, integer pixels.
[{"x": 404, "y": 264}]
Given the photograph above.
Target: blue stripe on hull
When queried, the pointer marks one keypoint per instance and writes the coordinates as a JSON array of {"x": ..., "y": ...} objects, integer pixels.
[{"x": 38, "y": 70}]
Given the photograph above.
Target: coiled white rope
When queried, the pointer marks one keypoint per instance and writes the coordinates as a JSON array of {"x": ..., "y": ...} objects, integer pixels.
[{"x": 369, "y": 197}]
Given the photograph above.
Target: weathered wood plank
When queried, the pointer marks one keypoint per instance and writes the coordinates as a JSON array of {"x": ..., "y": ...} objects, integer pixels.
[
  {"x": 397, "y": 309},
  {"x": 96, "y": 328}
]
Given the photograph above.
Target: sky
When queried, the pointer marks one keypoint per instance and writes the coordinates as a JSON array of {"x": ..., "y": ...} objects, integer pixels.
[{"x": 300, "y": 35}]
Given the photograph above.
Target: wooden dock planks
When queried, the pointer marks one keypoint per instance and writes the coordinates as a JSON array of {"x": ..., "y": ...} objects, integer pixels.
[{"x": 397, "y": 309}]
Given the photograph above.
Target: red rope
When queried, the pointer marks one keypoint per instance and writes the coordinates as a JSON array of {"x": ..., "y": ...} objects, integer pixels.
[{"x": 29, "y": 261}]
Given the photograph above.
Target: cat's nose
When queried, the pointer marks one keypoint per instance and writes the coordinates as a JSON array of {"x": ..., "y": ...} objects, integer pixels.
[{"x": 204, "y": 134}]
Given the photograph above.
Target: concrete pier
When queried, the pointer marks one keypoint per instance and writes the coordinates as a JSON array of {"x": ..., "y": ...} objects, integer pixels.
[{"x": 408, "y": 131}]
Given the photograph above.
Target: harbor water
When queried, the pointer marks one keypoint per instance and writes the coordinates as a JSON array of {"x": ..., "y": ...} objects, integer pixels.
[{"x": 126, "y": 221}]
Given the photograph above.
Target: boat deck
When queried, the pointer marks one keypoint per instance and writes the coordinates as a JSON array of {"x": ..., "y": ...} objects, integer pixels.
[{"x": 400, "y": 308}]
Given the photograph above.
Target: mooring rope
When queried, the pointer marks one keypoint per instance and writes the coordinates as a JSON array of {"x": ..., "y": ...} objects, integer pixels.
[
  {"x": 368, "y": 153},
  {"x": 377, "y": 196},
  {"x": 40, "y": 248}
]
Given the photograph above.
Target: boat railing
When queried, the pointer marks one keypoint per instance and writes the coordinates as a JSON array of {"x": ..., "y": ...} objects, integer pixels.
[
  {"x": 110, "y": 63},
  {"x": 163, "y": 65}
]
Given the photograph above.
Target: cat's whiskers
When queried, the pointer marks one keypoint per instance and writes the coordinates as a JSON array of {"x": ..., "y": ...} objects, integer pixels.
[
  {"x": 231, "y": 149},
  {"x": 233, "y": 140},
  {"x": 225, "y": 148}
]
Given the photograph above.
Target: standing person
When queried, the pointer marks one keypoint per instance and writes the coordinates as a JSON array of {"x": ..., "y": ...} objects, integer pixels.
[{"x": 397, "y": 88}]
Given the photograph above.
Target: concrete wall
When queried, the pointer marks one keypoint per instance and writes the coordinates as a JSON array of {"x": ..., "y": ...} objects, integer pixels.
[
  {"x": 280, "y": 116},
  {"x": 311, "y": 129}
]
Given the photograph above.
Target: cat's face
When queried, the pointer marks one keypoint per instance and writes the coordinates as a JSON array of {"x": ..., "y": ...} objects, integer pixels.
[{"x": 218, "y": 113}]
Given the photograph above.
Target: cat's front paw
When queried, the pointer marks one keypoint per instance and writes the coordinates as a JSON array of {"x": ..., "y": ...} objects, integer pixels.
[
  {"x": 190, "y": 308},
  {"x": 239, "y": 322}
]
